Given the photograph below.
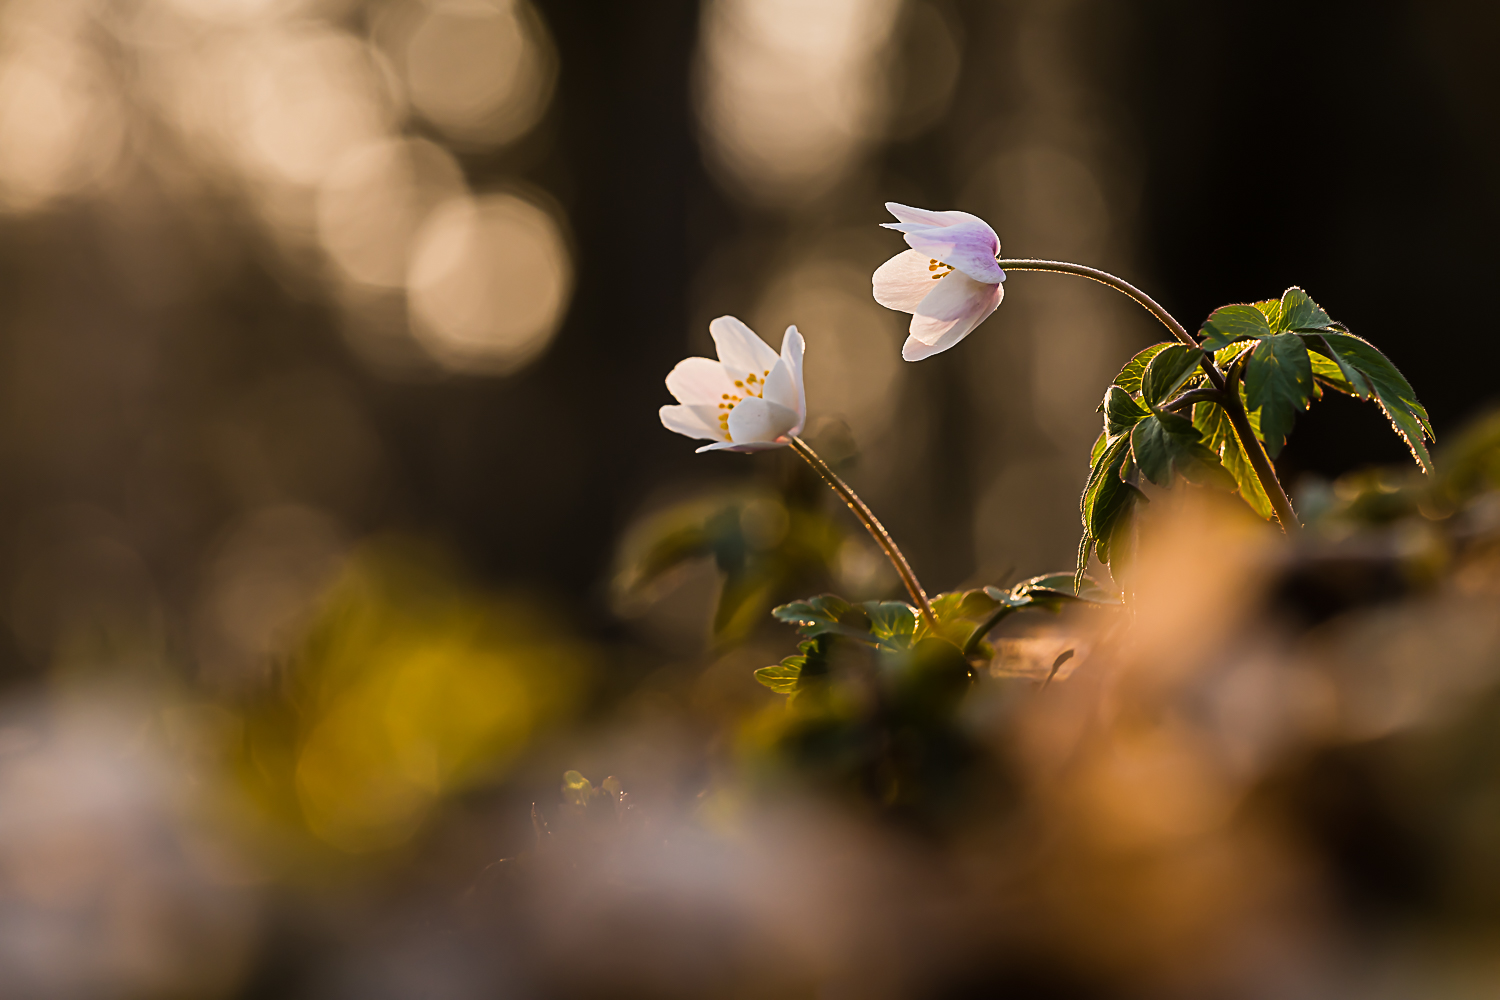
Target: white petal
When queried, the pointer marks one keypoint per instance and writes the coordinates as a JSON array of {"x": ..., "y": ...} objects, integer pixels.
[
  {"x": 747, "y": 447},
  {"x": 943, "y": 320},
  {"x": 779, "y": 388},
  {"x": 685, "y": 420},
  {"x": 758, "y": 420},
  {"x": 923, "y": 217},
  {"x": 903, "y": 281},
  {"x": 741, "y": 351},
  {"x": 792, "y": 347},
  {"x": 699, "y": 380}
]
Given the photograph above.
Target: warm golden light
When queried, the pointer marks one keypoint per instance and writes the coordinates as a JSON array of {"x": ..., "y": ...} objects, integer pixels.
[{"x": 490, "y": 279}]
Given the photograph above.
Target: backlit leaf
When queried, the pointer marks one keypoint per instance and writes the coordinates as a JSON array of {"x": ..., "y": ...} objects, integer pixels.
[
  {"x": 1121, "y": 413},
  {"x": 1227, "y": 324},
  {"x": 1392, "y": 391},
  {"x": 1300, "y": 312},
  {"x": 1129, "y": 378},
  {"x": 1219, "y": 436},
  {"x": 1278, "y": 384},
  {"x": 1167, "y": 371}
]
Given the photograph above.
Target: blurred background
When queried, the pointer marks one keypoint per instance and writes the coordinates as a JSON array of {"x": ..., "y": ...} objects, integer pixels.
[{"x": 332, "y": 337}]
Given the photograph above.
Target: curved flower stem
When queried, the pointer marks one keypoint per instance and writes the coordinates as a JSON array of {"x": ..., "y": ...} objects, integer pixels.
[
  {"x": 873, "y": 526},
  {"x": 1259, "y": 461}
]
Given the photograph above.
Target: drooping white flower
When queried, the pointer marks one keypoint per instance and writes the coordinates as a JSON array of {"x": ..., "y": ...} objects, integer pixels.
[
  {"x": 750, "y": 399},
  {"x": 948, "y": 280}
]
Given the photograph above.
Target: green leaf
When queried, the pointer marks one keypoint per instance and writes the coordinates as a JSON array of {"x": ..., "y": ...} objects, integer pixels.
[
  {"x": 1271, "y": 310},
  {"x": 1121, "y": 413},
  {"x": 1227, "y": 324},
  {"x": 1334, "y": 370},
  {"x": 1226, "y": 356},
  {"x": 1299, "y": 312},
  {"x": 1219, "y": 436},
  {"x": 1129, "y": 378},
  {"x": 1098, "y": 449},
  {"x": 1167, "y": 445},
  {"x": 1111, "y": 497},
  {"x": 1166, "y": 372},
  {"x": 795, "y": 673},
  {"x": 826, "y": 614},
  {"x": 892, "y": 623},
  {"x": 1278, "y": 384},
  {"x": 1392, "y": 391}
]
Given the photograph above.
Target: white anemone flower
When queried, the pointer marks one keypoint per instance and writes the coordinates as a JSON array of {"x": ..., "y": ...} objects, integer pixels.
[
  {"x": 949, "y": 280},
  {"x": 751, "y": 399}
]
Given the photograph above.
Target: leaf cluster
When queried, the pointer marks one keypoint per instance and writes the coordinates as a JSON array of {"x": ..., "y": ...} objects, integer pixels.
[{"x": 1290, "y": 351}]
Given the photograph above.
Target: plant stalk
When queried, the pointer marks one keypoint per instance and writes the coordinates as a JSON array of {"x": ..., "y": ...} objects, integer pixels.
[
  {"x": 1259, "y": 461},
  {"x": 873, "y": 526}
]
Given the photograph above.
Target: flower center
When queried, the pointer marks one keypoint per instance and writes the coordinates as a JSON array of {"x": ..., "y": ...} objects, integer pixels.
[
  {"x": 943, "y": 270},
  {"x": 750, "y": 385}
]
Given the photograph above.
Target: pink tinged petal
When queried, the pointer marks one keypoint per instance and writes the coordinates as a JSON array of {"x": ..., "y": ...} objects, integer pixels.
[
  {"x": 904, "y": 281},
  {"x": 741, "y": 351},
  {"x": 757, "y": 420},
  {"x": 907, "y": 214},
  {"x": 949, "y": 314},
  {"x": 792, "y": 347},
  {"x": 687, "y": 421},
  {"x": 699, "y": 381},
  {"x": 971, "y": 247}
]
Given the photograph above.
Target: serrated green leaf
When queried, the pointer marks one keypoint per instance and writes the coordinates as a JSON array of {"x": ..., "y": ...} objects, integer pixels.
[
  {"x": 795, "y": 673},
  {"x": 1334, "y": 370},
  {"x": 1167, "y": 445},
  {"x": 892, "y": 623},
  {"x": 1392, "y": 392},
  {"x": 1099, "y": 445},
  {"x": 1156, "y": 440},
  {"x": 1278, "y": 384},
  {"x": 1121, "y": 413},
  {"x": 1167, "y": 371},
  {"x": 1299, "y": 312},
  {"x": 1226, "y": 356},
  {"x": 1228, "y": 324},
  {"x": 1219, "y": 436},
  {"x": 1107, "y": 467},
  {"x": 1085, "y": 549},
  {"x": 1129, "y": 378},
  {"x": 1110, "y": 497},
  {"x": 826, "y": 614},
  {"x": 1271, "y": 310}
]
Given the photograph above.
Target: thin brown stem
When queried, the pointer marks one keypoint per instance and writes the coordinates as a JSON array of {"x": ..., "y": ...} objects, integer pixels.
[
  {"x": 1259, "y": 460},
  {"x": 873, "y": 526}
]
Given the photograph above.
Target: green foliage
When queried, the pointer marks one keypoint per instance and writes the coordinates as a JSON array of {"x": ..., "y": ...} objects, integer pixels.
[
  {"x": 1298, "y": 349},
  {"x": 1166, "y": 445},
  {"x": 1129, "y": 378},
  {"x": 1228, "y": 324},
  {"x": 1219, "y": 436},
  {"x": 796, "y": 674},
  {"x": 1121, "y": 413},
  {"x": 1278, "y": 383},
  {"x": 1392, "y": 391},
  {"x": 1167, "y": 371}
]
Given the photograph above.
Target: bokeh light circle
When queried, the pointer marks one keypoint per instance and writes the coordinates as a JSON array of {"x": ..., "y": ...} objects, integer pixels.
[{"x": 490, "y": 279}]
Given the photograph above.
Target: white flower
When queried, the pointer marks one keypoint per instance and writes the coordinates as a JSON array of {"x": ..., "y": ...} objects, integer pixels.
[
  {"x": 948, "y": 281},
  {"x": 748, "y": 400}
]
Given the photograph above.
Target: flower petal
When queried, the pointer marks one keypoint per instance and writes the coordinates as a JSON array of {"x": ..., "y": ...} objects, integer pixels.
[
  {"x": 747, "y": 446},
  {"x": 757, "y": 419},
  {"x": 903, "y": 281},
  {"x": 949, "y": 314},
  {"x": 686, "y": 420},
  {"x": 792, "y": 347},
  {"x": 779, "y": 388},
  {"x": 699, "y": 381},
  {"x": 922, "y": 216},
  {"x": 740, "y": 350},
  {"x": 970, "y": 246}
]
